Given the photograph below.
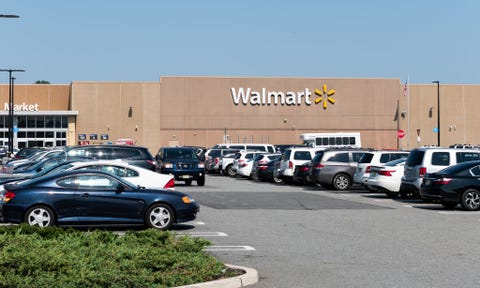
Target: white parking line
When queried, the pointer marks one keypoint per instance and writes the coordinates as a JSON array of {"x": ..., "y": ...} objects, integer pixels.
[
  {"x": 347, "y": 195},
  {"x": 205, "y": 234},
  {"x": 459, "y": 213},
  {"x": 229, "y": 248},
  {"x": 408, "y": 206},
  {"x": 195, "y": 223}
]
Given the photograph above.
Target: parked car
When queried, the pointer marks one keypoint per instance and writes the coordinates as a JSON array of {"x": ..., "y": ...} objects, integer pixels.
[
  {"x": 334, "y": 168},
  {"x": 294, "y": 156},
  {"x": 183, "y": 163},
  {"x": 301, "y": 175},
  {"x": 457, "y": 184},
  {"x": 27, "y": 152},
  {"x": 213, "y": 158},
  {"x": 259, "y": 162},
  {"x": 242, "y": 163},
  {"x": 387, "y": 178},
  {"x": 135, "y": 155},
  {"x": 227, "y": 164},
  {"x": 32, "y": 160},
  {"x": 374, "y": 158},
  {"x": 425, "y": 160},
  {"x": 134, "y": 174},
  {"x": 270, "y": 171},
  {"x": 248, "y": 146},
  {"x": 93, "y": 198}
]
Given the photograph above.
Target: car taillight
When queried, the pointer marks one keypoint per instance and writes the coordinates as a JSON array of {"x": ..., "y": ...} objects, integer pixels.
[
  {"x": 422, "y": 171},
  {"x": 152, "y": 162},
  {"x": 442, "y": 181},
  {"x": 386, "y": 172},
  {"x": 290, "y": 164},
  {"x": 8, "y": 196},
  {"x": 304, "y": 168},
  {"x": 262, "y": 167},
  {"x": 216, "y": 160},
  {"x": 318, "y": 166},
  {"x": 367, "y": 170},
  {"x": 170, "y": 184}
]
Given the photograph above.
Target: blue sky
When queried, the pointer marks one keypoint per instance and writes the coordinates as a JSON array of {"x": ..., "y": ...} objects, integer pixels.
[{"x": 107, "y": 40}]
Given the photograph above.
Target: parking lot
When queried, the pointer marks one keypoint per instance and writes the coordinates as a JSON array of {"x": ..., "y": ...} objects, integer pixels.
[{"x": 306, "y": 236}]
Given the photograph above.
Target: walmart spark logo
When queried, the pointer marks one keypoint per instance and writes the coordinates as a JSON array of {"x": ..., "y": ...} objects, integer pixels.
[{"x": 324, "y": 96}]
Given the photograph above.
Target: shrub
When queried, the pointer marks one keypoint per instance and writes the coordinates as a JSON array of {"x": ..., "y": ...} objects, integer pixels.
[{"x": 57, "y": 257}]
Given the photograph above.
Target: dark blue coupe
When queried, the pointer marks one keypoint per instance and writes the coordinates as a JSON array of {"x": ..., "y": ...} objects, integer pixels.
[{"x": 93, "y": 198}]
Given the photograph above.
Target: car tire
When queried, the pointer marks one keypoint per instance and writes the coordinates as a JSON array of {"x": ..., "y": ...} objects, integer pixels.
[
  {"x": 470, "y": 200},
  {"x": 341, "y": 182},
  {"x": 254, "y": 177},
  {"x": 201, "y": 181},
  {"x": 160, "y": 216},
  {"x": 449, "y": 205},
  {"x": 230, "y": 171},
  {"x": 392, "y": 195},
  {"x": 188, "y": 182},
  {"x": 41, "y": 216}
]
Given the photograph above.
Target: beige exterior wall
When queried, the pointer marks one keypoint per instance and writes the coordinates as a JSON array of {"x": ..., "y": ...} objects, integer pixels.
[
  {"x": 459, "y": 119},
  {"x": 49, "y": 97},
  {"x": 201, "y": 110}
]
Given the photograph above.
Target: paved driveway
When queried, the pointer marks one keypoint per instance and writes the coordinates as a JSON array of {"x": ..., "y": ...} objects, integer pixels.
[{"x": 310, "y": 237}]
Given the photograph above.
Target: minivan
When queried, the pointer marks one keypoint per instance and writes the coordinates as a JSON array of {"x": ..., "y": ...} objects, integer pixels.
[
  {"x": 425, "y": 160},
  {"x": 248, "y": 146}
]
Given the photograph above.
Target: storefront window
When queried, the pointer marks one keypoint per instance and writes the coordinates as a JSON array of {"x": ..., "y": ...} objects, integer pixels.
[
  {"x": 40, "y": 122},
  {"x": 49, "y": 121},
  {"x": 31, "y": 122},
  {"x": 22, "y": 121}
]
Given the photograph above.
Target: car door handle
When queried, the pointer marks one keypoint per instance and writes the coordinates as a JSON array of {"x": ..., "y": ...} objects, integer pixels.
[{"x": 85, "y": 194}]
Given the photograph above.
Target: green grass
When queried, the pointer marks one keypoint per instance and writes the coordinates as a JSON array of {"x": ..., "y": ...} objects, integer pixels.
[{"x": 57, "y": 257}]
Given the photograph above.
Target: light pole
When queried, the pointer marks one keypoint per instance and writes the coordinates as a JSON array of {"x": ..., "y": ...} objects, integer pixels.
[
  {"x": 11, "y": 102},
  {"x": 438, "y": 111}
]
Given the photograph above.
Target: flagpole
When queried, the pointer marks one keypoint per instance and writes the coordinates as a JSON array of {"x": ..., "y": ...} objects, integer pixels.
[{"x": 408, "y": 111}]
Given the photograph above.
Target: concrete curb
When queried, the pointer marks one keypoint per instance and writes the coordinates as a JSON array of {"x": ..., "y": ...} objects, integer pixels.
[{"x": 250, "y": 277}]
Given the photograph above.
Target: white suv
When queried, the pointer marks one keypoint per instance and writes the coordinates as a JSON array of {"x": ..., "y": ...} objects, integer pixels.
[
  {"x": 421, "y": 161},
  {"x": 374, "y": 158},
  {"x": 293, "y": 157}
]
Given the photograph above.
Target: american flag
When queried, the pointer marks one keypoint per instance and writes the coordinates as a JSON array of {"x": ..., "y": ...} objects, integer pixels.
[{"x": 405, "y": 88}]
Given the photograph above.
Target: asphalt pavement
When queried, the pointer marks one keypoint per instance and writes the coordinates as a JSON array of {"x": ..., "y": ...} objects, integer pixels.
[{"x": 298, "y": 236}]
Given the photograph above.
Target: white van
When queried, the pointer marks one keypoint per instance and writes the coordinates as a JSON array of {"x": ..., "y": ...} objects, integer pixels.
[
  {"x": 248, "y": 146},
  {"x": 425, "y": 160}
]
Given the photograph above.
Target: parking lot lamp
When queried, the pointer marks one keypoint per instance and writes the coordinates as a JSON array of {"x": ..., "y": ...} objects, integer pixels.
[{"x": 438, "y": 111}]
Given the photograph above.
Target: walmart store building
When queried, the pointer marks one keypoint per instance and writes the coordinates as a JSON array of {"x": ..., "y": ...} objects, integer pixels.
[{"x": 209, "y": 110}]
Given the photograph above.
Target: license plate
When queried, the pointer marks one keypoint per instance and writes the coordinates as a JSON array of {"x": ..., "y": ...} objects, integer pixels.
[
  {"x": 373, "y": 173},
  {"x": 185, "y": 176},
  {"x": 428, "y": 181}
]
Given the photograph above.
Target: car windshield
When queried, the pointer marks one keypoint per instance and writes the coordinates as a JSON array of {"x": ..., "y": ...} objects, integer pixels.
[
  {"x": 180, "y": 154},
  {"x": 396, "y": 162}
]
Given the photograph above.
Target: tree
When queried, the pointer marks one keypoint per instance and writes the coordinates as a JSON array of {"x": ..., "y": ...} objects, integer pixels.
[{"x": 42, "y": 82}]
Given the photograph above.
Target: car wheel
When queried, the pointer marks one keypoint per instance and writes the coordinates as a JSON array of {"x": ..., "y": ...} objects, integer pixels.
[
  {"x": 201, "y": 181},
  {"x": 41, "y": 216},
  {"x": 255, "y": 177},
  {"x": 230, "y": 171},
  {"x": 188, "y": 182},
  {"x": 449, "y": 205},
  {"x": 341, "y": 182},
  {"x": 471, "y": 200},
  {"x": 277, "y": 179},
  {"x": 160, "y": 216}
]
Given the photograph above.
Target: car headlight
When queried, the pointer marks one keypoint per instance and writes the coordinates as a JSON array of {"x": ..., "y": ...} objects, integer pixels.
[
  {"x": 187, "y": 200},
  {"x": 168, "y": 165},
  {"x": 201, "y": 165}
]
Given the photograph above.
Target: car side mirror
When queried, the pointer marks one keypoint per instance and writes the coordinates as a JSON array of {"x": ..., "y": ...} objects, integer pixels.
[{"x": 120, "y": 188}]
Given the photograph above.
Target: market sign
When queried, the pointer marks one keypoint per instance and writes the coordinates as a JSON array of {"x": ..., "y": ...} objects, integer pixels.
[
  {"x": 248, "y": 96},
  {"x": 21, "y": 107}
]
